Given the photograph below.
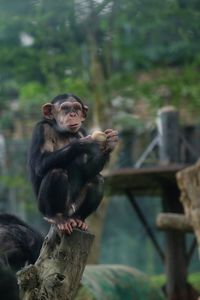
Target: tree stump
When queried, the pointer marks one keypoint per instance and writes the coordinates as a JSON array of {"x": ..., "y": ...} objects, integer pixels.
[
  {"x": 189, "y": 184},
  {"x": 59, "y": 267}
]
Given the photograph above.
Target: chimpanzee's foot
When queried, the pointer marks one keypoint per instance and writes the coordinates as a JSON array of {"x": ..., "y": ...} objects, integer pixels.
[
  {"x": 62, "y": 224},
  {"x": 81, "y": 225},
  {"x": 67, "y": 225}
]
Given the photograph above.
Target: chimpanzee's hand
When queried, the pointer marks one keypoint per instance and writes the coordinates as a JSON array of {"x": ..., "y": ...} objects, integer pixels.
[
  {"x": 112, "y": 139},
  {"x": 90, "y": 146},
  {"x": 86, "y": 139}
]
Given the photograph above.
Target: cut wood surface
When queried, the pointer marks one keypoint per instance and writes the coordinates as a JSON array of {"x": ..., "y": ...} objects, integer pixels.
[{"x": 58, "y": 270}]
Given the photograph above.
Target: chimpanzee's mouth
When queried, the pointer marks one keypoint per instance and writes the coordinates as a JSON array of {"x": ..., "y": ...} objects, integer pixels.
[{"x": 73, "y": 125}]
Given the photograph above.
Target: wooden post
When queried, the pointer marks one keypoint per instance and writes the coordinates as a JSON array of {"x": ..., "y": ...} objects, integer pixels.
[
  {"x": 169, "y": 152},
  {"x": 176, "y": 259},
  {"x": 168, "y": 131},
  {"x": 59, "y": 268}
]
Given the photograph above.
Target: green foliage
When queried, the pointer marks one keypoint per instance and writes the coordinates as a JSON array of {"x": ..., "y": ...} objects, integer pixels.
[
  {"x": 76, "y": 84},
  {"x": 122, "y": 37},
  {"x": 34, "y": 94},
  {"x": 31, "y": 89},
  {"x": 31, "y": 97},
  {"x": 12, "y": 181},
  {"x": 7, "y": 121},
  {"x": 117, "y": 282},
  {"x": 193, "y": 278},
  {"x": 174, "y": 86},
  {"x": 125, "y": 121}
]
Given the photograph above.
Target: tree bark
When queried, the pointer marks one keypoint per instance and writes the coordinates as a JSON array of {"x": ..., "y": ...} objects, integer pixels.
[
  {"x": 172, "y": 221},
  {"x": 189, "y": 184},
  {"x": 59, "y": 267}
]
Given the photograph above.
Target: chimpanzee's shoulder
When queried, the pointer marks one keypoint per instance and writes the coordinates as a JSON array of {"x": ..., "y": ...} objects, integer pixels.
[
  {"x": 43, "y": 124},
  {"x": 44, "y": 128}
]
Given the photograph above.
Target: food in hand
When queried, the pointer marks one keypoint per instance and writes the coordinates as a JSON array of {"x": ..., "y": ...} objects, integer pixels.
[{"x": 99, "y": 136}]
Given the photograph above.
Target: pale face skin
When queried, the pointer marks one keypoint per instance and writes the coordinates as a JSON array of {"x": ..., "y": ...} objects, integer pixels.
[{"x": 68, "y": 115}]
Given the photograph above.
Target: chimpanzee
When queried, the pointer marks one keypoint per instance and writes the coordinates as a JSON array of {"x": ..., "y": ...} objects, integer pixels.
[
  {"x": 65, "y": 163},
  {"x": 9, "y": 289},
  {"x": 19, "y": 242}
]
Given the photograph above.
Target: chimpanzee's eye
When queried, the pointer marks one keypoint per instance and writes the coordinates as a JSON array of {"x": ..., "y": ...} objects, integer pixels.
[
  {"x": 77, "y": 106},
  {"x": 66, "y": 108}
]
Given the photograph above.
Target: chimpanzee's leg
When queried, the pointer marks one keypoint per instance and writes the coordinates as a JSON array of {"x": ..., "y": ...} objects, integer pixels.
[
  {"x": 54, "y": 199},
  {"x": 54, "y": 195},
  {"x": 92, "y": 198}
]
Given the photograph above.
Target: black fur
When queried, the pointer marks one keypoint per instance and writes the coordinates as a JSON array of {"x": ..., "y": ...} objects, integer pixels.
[
  {"x": 8, "y": 284},
  {"x": 63, "y": 97},
  {"x": 19, "y": 242},
  {"x": 57, "y": 177}
]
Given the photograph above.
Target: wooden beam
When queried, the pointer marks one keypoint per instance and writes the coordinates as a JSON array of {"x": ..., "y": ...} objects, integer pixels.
[
  {"x": 173, "y": 221},
  {"x": 143, "y": 181}
]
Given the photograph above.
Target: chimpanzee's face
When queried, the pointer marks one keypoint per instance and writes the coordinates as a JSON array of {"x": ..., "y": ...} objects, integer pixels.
[{"x": 68, "y": 115}]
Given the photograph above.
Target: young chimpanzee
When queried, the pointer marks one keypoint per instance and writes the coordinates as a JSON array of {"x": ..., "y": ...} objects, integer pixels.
[{"x": 65, "y": 163}]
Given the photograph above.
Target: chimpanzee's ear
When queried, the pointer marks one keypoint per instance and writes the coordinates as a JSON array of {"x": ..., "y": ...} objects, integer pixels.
[
  {"x": 85, "y": 110},
  {"x": 47, "y": 111}
]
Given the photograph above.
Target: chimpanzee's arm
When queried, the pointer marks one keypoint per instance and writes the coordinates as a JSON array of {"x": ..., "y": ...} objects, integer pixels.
[
  {"x": 60, "y": 158},
  {"x": 43, "y": 162},
  {"x": 94, "y": 165}
]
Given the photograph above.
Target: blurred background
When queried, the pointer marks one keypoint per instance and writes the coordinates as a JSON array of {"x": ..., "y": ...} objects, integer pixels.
[{"x": 125, "y": 59}]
